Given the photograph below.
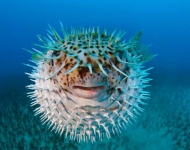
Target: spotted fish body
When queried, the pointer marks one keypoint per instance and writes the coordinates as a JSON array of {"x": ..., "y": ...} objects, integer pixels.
[{"x": 88, "y": 85}]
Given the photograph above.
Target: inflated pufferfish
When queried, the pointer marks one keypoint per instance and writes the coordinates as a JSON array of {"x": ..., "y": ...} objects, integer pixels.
[{"x": 88, "y": 85}]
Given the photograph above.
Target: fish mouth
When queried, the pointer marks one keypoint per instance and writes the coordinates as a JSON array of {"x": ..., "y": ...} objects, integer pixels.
[
  {"x": 89, "y": 108},
  {"x": 88, "y": 92}
]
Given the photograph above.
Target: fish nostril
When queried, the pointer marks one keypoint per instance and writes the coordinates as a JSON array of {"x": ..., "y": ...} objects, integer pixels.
[{"x": 85, "y": 69}]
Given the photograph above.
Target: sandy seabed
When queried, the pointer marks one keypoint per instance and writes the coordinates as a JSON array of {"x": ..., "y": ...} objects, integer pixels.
[{"x": 164, "y": 125}]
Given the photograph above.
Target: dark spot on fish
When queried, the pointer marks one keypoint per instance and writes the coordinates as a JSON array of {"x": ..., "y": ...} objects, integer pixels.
[
  {"x": 100, "y": 60},
  {"x": 119, "y": 90},
  {"x": 56, "y": 53},
  {"x": 52, "y": 62},
  {"x": 89, "y": 60},
  {"x": 81, "y": 62},
  {"x": 109, "y": 48},
  {"x": 75, "y": 48}
]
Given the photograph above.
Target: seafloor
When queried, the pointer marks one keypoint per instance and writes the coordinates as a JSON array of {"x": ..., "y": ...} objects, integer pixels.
[{"x": 165, "y": 124}]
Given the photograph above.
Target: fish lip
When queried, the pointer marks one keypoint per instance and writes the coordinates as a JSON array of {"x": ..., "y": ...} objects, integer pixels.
[
  {"x": 97, "y": 108},
  {"x": 87, "y": 88},
  {"x": 89, "y": 92}
]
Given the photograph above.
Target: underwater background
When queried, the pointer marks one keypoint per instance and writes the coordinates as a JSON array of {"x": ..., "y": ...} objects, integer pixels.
[{"x": 165, "y": 123}]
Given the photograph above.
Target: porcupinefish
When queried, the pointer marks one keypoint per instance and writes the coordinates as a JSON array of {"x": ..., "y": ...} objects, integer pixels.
[{"x": 88, "y": 84}]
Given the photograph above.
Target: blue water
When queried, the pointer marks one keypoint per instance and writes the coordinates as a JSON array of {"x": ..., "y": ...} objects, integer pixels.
[{"x": 165, "y": 26}]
